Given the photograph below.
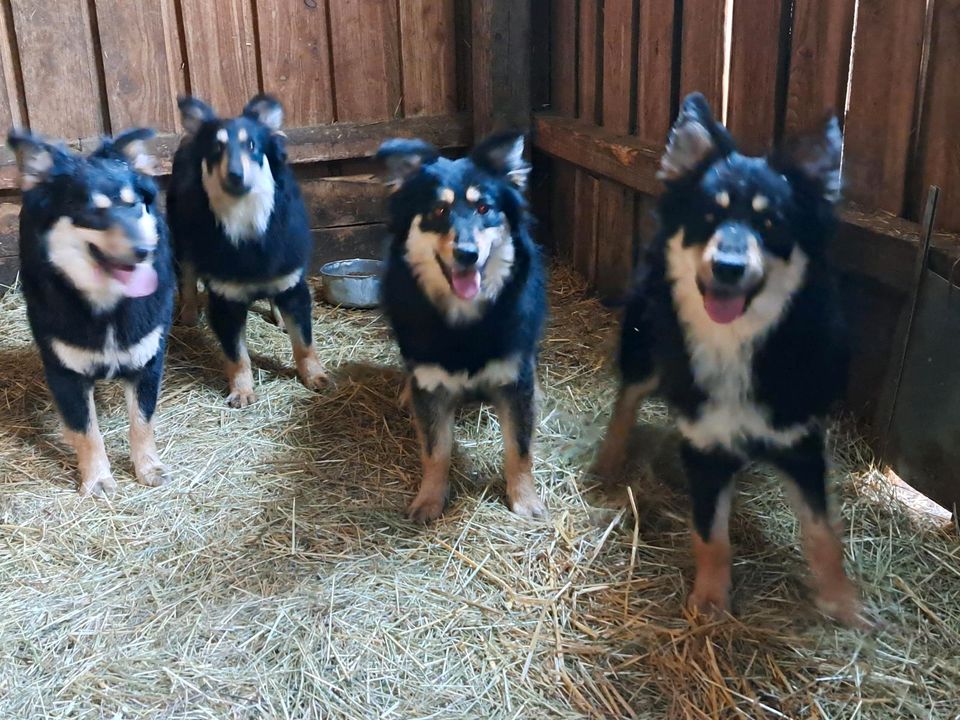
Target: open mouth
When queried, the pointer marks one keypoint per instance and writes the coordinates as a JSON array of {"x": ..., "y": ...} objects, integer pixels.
[
  {"x": 724, "y": 305},
  {"x": 465, "y": 283},
  {"x": 137, "y": 280}
]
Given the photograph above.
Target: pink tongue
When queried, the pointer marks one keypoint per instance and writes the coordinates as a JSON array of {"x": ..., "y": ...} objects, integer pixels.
[
  {"x": 139, "y": 282},
  {"x": 466, "y": 283},
  {"x": 723, "y": 310}
]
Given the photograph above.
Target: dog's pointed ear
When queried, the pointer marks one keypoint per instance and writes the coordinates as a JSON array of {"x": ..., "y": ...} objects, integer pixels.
[
  {"x": 502, "y": 154},
  {"x": 36, "y": 158},
  {"x": 266, "y": 109},
  {"x": 194, "y": 113},
  {"x": 403, "y": 158},
  {"x": 132, "y": 144},
  {"x": 694, "y": 138},
  {"x": 814, "y": 158}
]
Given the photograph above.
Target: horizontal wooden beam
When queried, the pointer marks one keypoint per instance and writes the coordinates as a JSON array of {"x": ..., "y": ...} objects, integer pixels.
[
  {"x": 320, "y": 143},
  {"x": 870, "y": 243}
]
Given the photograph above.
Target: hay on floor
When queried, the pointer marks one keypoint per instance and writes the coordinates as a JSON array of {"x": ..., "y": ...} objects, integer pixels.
[{"x": 276, "y": 577}]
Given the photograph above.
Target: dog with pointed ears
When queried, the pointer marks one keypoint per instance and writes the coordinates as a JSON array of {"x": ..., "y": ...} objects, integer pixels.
[
  {"x": 735, "y": 322},
  {"x": 239, "y": 224},
  {"x": 97, "y": 277},
  {"x": 463, "y": 290}
]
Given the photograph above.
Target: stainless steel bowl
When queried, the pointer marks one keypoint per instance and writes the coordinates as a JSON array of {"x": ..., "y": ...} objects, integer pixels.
[{"x": 352, "y": 283}]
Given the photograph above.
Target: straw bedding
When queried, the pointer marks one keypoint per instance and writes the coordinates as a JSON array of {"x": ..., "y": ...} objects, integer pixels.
[{"x": 276, "y": 577}]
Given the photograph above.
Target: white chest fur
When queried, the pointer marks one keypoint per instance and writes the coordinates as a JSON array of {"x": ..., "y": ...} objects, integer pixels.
[
  {"x": 246, "y": 217},
  {"x": 495, "y": 373},
  {"x": 113, "y": 358},
  {"x": 721, "y": 356}
]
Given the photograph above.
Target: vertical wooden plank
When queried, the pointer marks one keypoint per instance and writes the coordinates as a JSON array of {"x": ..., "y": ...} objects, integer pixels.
[
  {"x": 590, "y": 59},
  {"x": 540, "y": 54},
  {"x": 655, "y": 60},
  {"x": 586, "y": 191},
  {"x": 366, "y": 59},
  {"x": 428, "y": 52},
  {"x": 221, "y": 52},
  {"x": 819, "y": 61},
  {"x": 464, "y": 53},
  {"x": 702, "y": 50},
  {"x": 938, "y": 161},
  {"x": 883, "y": 92},
  {"x": 10, "y": 107},
  {"x": 755, "y": 73},
  {"x": 501, "y": 65},
  {"x": 57, "y": 58},
  {"x": 295, "y": 59},
  {"x": 563, "y": 101},
  {"x": 142, "y": 63},
  {"x": 615, "y": 203}
]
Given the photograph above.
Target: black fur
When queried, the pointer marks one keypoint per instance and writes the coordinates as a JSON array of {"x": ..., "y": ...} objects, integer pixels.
[{"x": 56, "y": 309}]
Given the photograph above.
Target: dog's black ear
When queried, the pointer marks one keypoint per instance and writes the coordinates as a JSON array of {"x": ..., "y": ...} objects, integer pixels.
[
  {"x": 36, "y": 158},
  {"x": 814, "y": 157},
  {"x": 267, "y": 109},
  {"x": 694, "y": 138},
  {"x": 194, "y": 113},
  {"x": 403, "y": 158},
  {"x": 502, "y": 154},
  {"x": 132, "y": 144}
]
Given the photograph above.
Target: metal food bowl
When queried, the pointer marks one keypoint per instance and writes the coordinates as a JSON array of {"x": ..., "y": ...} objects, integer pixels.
[{"x": 352, "y": 283}]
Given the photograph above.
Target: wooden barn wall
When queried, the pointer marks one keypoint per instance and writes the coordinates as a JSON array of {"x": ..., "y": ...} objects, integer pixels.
[
  {"x": 618, "y": 69},
  {"x": 350, "y": 74}
]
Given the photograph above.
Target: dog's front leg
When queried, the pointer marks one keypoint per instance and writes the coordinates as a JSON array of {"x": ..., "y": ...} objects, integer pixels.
[
  {"x": 433, "y": 416},
  {"x": 516, "y": 410},
  {"x": 141, "y": 403},
  {"x": 294, "y": 305},
  {"x": 228, "y": 320},
  {"x": 73, "y": 395},
  {"x": 189, "y": 311}
]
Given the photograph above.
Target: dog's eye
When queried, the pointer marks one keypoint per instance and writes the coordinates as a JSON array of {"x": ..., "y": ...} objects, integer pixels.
[
  {"x": 483, "y": 208},
  {"x": 441, "y": 211},
  {"x": 250, "y": 146}
]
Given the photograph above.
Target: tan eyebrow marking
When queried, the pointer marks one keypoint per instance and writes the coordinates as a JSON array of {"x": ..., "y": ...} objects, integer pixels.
[
  {"x": 222, "y": 135},
  {"x": 760, "y": 203},
  {"x": 100, "y": 200},
  {"x": 447, "y": 195},
  {"x": 473, "y": 194},
  {"x": 127, "y": 195},
  {"x": 242, "y": 135},
  {"x": 723, "y": 199}
]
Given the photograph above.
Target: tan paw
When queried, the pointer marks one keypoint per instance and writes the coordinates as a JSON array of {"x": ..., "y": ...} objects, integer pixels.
[
  {"x": 98, "y": 485},
  {"x": 241, "y": 397},
  {"x": 426, "y": 508},
  {"x": 843, "y": 605},
  {"x": 313, "y": 376},
  {"x": 526, "y": 503},
  {"x": 153, "y": 474},
  {"x": 710, "y": 602}
]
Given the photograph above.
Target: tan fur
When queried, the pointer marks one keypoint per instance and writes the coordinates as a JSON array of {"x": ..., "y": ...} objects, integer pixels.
[
  {"x": 147, "y": 465},
  {"x": 189, "y": 299},
  {"x": 240, "y": 377},
  {"x": 522, "y": 494},
  {"x": 613, "y": 452},
  {"x": 711, "y": 587},
  {"x": 309, "y": 368},
  {"x": 432, "y": 496},
  {"x": 95, "y": 476}
]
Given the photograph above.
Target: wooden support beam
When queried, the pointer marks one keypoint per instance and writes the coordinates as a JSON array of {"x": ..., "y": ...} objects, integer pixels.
[{"x": 501, "y": 65}]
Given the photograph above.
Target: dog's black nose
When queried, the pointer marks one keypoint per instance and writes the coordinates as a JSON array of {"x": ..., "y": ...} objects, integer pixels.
[
  {"x": 141, "y": 253},
  {"x": 729, "y": 271},
  {"x": 466, "y": 255},
  {"x": 235, "y": 179}
]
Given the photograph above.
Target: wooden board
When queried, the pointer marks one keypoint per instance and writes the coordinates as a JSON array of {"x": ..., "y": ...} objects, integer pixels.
[
  {"x": 295, "y": 59},
  {"x": 501, "y": 65},
  {"x": 343, "y": 243},
  {"x": 756, "y": 74},
  {"x": 819, "y": 61},
  {"x": 366, "y": 59},
  {"x": 428, "y": 52},
  {"x": 656, "y": 94},
  {"x": 586, "y": 193},
  {"x": 345, "y": 200},
  {"x": 938, "y": 161},
  {"x": 60, "y": 76},
  {"x": 701, "y": 52},
  {"x": 588, "y": 63},
  {"x": 221, "y": 52},
  {"x": 563, "y": 58},
  {"x": 142, "y": 63},
  {"x": 11, "y": 103},
  {"x": 886, "y": 64},
  {"x": 463, "y": 34}
]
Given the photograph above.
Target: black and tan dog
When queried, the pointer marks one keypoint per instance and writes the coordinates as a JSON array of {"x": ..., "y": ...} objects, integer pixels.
[
  {"x": 463, "y": 290},
  {"x": 736, "y": 324},
  {"x": 238, "y": 223},
  {"x": 97, "y": 276}
]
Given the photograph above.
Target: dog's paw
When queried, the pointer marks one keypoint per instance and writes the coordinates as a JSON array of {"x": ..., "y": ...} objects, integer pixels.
[
  {"x": 526, "y": 503},
  {"x": 709, "y": 602},
  {"x": 426, "y": 508},
  {"x": 241, "y": 398},
  {"x": 153, "y": 474},
  {"x": 313, "y": 376},
  {"x": 843, "y": 605},
  {"x": 98, "y": 485}
]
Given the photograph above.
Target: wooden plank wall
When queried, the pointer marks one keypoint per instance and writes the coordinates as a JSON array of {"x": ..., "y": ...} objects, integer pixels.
[{"x": 350, "y": 73}]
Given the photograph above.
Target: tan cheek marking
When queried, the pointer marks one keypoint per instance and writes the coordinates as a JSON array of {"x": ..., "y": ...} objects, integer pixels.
[
  {"x": 473, "y": 194},
  {"x": 760, "y": 203},
  {"x": 447, "y": 195},
  {"x": 101, "y": 201}
]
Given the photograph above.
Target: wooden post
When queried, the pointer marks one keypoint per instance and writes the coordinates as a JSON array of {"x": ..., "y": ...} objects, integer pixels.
[{"x": 501, "y": 41}]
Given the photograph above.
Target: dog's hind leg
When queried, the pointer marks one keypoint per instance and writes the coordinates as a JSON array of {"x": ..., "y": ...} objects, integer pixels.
[
  {"x": 516, "y": 410},
  {"x": 433, "y": 417},
  {"x": 294, "y": 305},
  {"x": 710, "y": 475},
  {"x": 806, "y": 465},
  {"x": 189, "y": 298},
  {"x": 142, "y": 395},
  {"x": 73, "y": 395},
  {"x": 228, "y": 320}
]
